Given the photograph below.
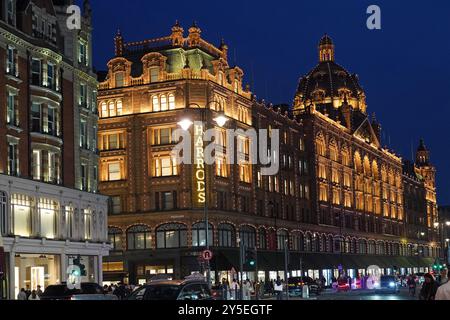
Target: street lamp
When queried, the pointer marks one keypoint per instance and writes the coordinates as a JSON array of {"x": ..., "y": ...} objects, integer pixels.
[{"x": 186, "y": 124}]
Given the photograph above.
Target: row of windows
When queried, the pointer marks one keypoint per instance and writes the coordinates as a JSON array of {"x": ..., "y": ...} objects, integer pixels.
[
  {"x": 31, "y": 217},
  {"x": 175, "y": 235}
]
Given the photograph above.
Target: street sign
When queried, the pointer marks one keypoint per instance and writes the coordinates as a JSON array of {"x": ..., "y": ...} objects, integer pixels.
[{"x": 207, "y": 255}]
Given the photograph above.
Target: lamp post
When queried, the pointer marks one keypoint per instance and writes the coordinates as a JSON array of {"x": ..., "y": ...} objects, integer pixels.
[
  {"x": 186, "y": 124},
  {"x": 443, "y": 235}
]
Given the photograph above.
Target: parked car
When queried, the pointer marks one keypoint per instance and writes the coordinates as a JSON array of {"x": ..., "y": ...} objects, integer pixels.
[
  {"x": 296, "y": 284},
  {"x": 191, "y": 289},
  {"x": 88, "y": 291},
  {"x": 388, "y": 284}
]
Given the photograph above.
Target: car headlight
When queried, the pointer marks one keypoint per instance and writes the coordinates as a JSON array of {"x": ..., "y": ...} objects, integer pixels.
[{"x": 392, "y": 284}]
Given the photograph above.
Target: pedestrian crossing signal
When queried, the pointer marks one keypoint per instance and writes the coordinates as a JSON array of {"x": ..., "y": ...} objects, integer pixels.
[{"x": 250, "y": 257}]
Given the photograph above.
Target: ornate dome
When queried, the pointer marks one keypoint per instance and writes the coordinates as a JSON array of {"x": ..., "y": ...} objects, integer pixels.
[{"x": 329, "y": 83}]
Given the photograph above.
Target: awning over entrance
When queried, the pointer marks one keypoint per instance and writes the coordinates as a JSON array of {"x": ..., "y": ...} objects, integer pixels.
[{"x": 227, "y": 259}]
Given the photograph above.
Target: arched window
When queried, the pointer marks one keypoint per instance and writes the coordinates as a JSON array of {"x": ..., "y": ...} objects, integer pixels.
[
  {"x": 171, "y": 236},
  {"x": 104, "y": 110},
  {"x": 115, "y": 238},
  {"x": 333, "y": 151},
  {"x": 262, "y": 236},
  {"x": 324, "y": 244},
  {"x": 345, "y": 157},
  {"x": 315, "y": 243},
  {"x": 139, "y": 238},
  {"x": 308, "y": 242},
  {"x": 372, "y": 247},
  {"x": 362, "y": 246},
  {"x": 3, "y": 214},
  {"x": 367, "y": 170},
  {"x": 164, "y": 103},
  {"x": 119, "y": 107},
  {"x": 247, "y": 235},
  {"x": 171, "y": 101},
  {"x": 155, "y": 102},
  {"x": 282, "y": 239},
  {"x": 358, "y": 163},
  {"x": 320, "y": 145},
  {"x": 227, "y": 235},
  {"x": 112, "y": 109},
  {"x": 199, "y": 235},
  {"x": 297, "y": 241},
  {"x": 381, "y": 250},
  {"x": 330, "y": 243}
]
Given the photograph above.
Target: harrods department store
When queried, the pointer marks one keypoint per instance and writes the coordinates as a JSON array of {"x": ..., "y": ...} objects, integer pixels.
[{"x": 341, "y": 199}]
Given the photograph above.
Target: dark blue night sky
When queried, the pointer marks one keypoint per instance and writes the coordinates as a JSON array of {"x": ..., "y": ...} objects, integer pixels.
[{"x": 404, "y": 68}]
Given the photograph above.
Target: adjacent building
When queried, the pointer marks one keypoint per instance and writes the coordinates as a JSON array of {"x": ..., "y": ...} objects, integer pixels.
[
  {"x": 50, "y": 211},
  {"x": 337, "y": 203}
]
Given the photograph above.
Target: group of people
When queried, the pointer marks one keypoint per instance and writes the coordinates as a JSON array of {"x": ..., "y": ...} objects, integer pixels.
[
  {"x": 120, "y": 290},
  {"x": 27, "y": 294},
  {"x": 258, "y": 289},
  {"x": 433, "y": 288}
]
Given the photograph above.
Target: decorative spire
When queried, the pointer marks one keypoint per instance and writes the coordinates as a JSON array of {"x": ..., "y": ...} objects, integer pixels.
[
  {"x": 177, "y": 35},
  {"x": 224, "y": 48},
  {"x": 118, "y": 44},
  {"x": 423, "y": 155},
  {"x": 326, "y": 49},
  {"x": 194, "y": 35}
]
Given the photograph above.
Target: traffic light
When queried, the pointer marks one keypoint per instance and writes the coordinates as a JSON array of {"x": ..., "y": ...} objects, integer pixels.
[
  {"x": 82, "y": 267},
  {"x": 250, "y": 257}
]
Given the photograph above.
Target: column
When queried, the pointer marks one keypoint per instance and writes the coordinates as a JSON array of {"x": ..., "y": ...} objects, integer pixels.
[
  {"x": 63, "y": 266},
  {"x": 99, "y": 269},
  {"x": 12, "y": 277}
]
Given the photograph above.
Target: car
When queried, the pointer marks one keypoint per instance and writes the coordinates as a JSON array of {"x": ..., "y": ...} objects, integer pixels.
[
  {"x": 190, "y": 289},
  {"x": 388, "y": 284},
  {"x": 343, "y": 285},
  {"x": 88, "y": 291},
  {"x": 296, "y": 284}
]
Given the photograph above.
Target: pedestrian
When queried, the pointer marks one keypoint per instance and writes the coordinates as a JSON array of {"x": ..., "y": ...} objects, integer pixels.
[
  {"x": 34, "y": 296},
  {"x": 225, "y": 289},
  {"x": 258, "y": 290},
  {"x": 443, "y": 292},
  {"x": 443, "y": 277},
  {"x": 234, "y": 289},
  {"x": 246, "y": 290},
  {"x": 28, "y": 291},
  {"x": 272, "y": 287},
  {"x": 279, "y": 289},
  {"x": 22, "y": 295},
  {"x": 429, "y": 288},
  {"x": 39, "y": 291}
]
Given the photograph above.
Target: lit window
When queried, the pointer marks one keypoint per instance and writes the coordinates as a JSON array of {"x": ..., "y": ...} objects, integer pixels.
[
  {"x": 119, "y": 107},
  {"x": 114, "y": 171},
  {"x": 165, "y": 167},
  {"x": 119, "y": 76},
  {"x": 244, "y": 172},
  {"x": 163, "y": 102},
  {"x": 155, "y": 101},
  {"x": 12, "y": 117},
  {"x": 104, "y": 111},
  {"x": 221, "y": 168},
  {"x": 112, "y": 109},
  {"x": 154, "y": 74},
  {"x": 171, "y": 101}
]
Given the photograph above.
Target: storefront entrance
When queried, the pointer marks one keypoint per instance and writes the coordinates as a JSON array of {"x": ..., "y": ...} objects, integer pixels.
[{"x": 33, "y": 270}]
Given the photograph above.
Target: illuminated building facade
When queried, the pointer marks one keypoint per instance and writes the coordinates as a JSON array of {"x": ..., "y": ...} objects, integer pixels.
[
  {"x": 49, "y": 209},
  {"x": 337, "y": 199}
]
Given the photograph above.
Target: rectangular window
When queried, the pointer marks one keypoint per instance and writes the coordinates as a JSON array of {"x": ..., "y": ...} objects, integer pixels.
[
  {"x": 165, "y": 167},
  {"x": 51, "y": 121},
  {"x": 87, "y": 224},
  {"x": 114, "y": 171},
  {"x": 21, "y": 211},
  {"x": 167, "y": 200},
  {"x": 13, "y": 159},
  {"x": 83, "y": 135},
  {"x": 116, "y": 205},
  {"x": 221, "y": 167},
  {"x": 84, "y": 177},
  {"x": 36, "y": 70},
  {"x": 154, "y": 74},
  {"x": 83, "y": 95},
  {"x": 244, "y": 172},
  {"x": 36, "y": 117},
  {"x": 36, "y": 164},
  {"x": 10, "y": 12},
  {"x": 12, "y": 117},
  {"x": 11, "y": 61},
  {"x": 82, "y": 54},
  {"x": 47, "y": 211},
  {"x": 119, "y": 76},
  {"x": 51, "y": 76},
  {"x": 162, "y": 136}
]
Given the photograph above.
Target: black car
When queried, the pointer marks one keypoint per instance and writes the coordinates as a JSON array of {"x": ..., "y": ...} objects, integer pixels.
[
  {"x": 88, "y": 291},
  {"x": 192, "y": 290},
  {"x": 296, "y": 284},
  {"x": 388, "y": 284}
]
